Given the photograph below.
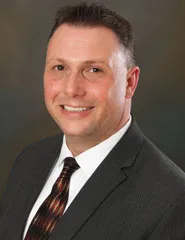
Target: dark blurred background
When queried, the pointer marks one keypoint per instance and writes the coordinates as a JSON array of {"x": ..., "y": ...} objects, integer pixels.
[{"x": 159, "y": 103}]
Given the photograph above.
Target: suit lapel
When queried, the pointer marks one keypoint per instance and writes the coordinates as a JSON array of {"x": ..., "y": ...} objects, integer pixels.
[{"x": 104, "y": 180}]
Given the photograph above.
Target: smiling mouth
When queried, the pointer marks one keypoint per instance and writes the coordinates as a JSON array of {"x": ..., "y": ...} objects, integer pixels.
[{"x": 75, "y": 109}]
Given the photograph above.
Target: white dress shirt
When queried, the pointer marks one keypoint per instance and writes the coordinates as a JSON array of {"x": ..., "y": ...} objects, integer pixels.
[{"x": 88, "y": 162}]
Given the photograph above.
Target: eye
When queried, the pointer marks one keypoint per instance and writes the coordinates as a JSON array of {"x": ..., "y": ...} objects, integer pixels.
[
  {"x": 59, "y": 67},
  {"x": 94, "y": 69}
]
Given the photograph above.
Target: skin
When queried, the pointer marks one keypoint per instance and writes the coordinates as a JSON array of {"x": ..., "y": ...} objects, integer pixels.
[{"x": 85, "y": 67}]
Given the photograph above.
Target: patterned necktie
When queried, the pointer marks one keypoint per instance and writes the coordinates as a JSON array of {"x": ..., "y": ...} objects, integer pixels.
[{"x": 53, "y": 207}]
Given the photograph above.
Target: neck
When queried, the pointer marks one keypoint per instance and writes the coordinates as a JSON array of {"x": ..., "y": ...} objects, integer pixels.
[{"x": 80, "y": 144}]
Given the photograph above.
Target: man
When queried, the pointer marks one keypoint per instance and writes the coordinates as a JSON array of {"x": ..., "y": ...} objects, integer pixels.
[{"x": 122, "y": 186}]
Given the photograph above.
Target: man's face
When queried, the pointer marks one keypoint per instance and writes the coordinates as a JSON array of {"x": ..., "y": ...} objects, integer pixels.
[{"x": 85, "y": 82}]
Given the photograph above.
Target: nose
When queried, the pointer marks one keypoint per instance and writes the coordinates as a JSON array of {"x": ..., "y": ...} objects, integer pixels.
[{"x": 73, "y": 85}]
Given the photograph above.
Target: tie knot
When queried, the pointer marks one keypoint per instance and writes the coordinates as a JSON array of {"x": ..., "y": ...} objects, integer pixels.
[{"x": 70, "y": 165}]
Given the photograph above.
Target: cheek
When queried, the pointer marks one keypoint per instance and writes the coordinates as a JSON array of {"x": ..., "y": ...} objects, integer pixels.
[
  {"x": 100, "y": 93},
  {"x": 51, "y": 88},
  {"x": 116, "y": 94},
  {"x": 101, "y": 90},
  {"x": 118, "y": 88}
]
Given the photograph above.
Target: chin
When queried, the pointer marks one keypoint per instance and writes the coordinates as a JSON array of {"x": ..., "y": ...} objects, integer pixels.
[{"x": 73, "y": 132}]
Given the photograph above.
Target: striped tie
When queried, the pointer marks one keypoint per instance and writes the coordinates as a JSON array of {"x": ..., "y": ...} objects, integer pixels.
[{"x": 53, "y": 207}]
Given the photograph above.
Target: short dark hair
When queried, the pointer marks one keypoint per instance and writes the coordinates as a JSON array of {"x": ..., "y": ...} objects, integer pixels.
[{"x": 94, "y": 14}]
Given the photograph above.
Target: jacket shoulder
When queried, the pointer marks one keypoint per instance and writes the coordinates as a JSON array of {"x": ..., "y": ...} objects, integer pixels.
[
  {"x": 164, "y": 176},
  {"x": 31, "y": 158}
]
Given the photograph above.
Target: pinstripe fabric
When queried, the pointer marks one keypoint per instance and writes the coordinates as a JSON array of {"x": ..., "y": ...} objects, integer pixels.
[{"x": 53, "y": 207}]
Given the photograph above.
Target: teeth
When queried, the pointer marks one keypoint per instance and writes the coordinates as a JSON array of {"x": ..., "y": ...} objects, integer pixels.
[{"x": 71, "y": 109}]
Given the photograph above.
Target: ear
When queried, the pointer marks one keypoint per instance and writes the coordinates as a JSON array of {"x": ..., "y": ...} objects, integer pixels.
[{"x": 132, "y": 81}]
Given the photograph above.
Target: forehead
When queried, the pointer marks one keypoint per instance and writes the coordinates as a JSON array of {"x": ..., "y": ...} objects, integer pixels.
[{"x": 84, "y": 42}]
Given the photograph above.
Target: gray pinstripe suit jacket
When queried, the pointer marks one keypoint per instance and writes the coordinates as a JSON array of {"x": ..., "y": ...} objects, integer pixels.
[{"x": 137, "y": 193}]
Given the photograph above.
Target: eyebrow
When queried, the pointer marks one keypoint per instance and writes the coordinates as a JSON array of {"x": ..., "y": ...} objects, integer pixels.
[{"x": 91, "y": 61}]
